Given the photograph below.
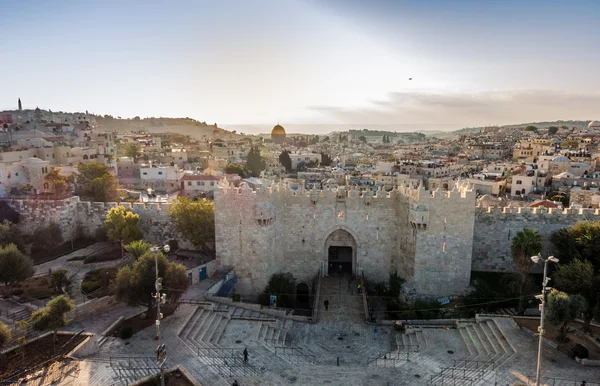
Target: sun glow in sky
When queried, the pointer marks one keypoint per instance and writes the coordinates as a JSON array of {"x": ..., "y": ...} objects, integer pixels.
[{"x": 319, "y": 61}]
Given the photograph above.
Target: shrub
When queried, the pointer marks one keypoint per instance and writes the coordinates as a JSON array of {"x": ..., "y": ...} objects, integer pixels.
[
  {"x": 100, "y": 258},
  {"x": 90, "y": 286},
  {"x": 47, "y": 237},
  {"x": 282, "y": 285},
  {"x": 126, "y": 331},
  {"x": 5, "y": 334},
  {"x": 236, "y": 297}
]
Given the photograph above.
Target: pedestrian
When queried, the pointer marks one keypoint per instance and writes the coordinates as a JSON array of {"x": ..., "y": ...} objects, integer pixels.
[
  {"x": 245, "y": 355},
  {"x": 340, "y": 268},
  {"x": 349, "y": 283},
  {"x": 358, "y": 287},
  {"x": 326, "y": 304},
  {"x": 235, "y": 383},
  {"x": 583, "y": 383}
]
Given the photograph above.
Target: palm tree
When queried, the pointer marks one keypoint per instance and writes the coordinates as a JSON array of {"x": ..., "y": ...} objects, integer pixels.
[
  {"x": 525, "y": 244},
  {"x": 138, "y": 248}
]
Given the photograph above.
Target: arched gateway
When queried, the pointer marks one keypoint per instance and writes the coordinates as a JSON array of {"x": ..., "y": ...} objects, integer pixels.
[{"x": 340, "y": 252}]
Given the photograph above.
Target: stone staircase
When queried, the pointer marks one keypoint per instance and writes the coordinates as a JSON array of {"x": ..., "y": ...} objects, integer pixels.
[
  {"x": 345, "y": 304},
  {"x": 242, "y": 313},
  {"x": 201, "y": 334},
  {"x": 130, "y": 369},
  {"x": 488, "y": 349}
]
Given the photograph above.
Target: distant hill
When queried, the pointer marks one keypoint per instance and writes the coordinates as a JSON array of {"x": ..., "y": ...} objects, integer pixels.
[
  {"x": 578, "y": 124},
  {"x": 185, "y": 126}
]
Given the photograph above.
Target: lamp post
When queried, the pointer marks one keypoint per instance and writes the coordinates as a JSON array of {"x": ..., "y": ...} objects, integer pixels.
[
  {"x": 161, "y": 351},
  {"x": 542, "y": 297}
]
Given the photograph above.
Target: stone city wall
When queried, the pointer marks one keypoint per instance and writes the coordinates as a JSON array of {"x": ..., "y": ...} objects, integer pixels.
[
  {"x": 495, "y": 228},
  {"x": 76, "y": 218},
  {"x": 443, "y": 222},
  {"x": 282, "y": 230}
]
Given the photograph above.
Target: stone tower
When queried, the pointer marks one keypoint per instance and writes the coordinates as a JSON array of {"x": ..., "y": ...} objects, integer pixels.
[{"x": 20, "y": 105}]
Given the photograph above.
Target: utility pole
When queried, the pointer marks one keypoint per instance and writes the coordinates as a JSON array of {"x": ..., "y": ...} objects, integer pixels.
[
  {"x": 542, "y": 297},
  {"x": 161, "y": 349}
]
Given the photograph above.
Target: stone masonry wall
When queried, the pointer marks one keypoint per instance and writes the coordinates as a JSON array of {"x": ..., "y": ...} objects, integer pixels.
[
  {"x": 74, "y": 216},
  {"x": 294, "y": 239},
  {"x": 444, "y": 246},
  {"x": 495, "y": 228}
]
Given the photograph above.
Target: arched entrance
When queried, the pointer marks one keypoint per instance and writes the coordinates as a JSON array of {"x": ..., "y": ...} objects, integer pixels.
[
  {"x": 340, "y": 252},
  {"x": 303, "y": 299}
]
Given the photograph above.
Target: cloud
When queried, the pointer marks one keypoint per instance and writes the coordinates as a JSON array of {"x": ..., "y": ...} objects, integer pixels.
[{"x": 469, "y": 108}]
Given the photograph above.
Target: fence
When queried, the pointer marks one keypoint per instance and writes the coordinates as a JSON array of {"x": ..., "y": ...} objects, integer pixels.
[
  {"x": 316, "y": 288},
  {"x": 550, "y": 381}
]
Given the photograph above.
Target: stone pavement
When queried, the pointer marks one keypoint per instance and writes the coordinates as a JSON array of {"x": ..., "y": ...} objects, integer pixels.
[
  {"x": 209, "y": 341},
  {"x": 345, "y": 304}
]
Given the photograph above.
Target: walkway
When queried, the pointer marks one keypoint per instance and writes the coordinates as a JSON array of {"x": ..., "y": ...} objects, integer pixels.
[{"x": 345, "y": 303}]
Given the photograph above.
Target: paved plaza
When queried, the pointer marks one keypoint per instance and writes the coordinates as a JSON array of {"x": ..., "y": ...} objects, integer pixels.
[{"x": 340, "y": 349}]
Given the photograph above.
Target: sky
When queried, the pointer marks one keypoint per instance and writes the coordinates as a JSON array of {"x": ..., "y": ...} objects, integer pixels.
[{"x": 472, "y": 62}]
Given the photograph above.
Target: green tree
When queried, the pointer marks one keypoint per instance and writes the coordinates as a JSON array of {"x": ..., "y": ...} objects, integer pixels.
[
  {"x": 255, "y": 162},
  {"x": 47, "y": 237},
  {"x": 53, "y": 316},
  {"x": 552, "y": 130},
  {"x": 571, "y": 144},
  {"x": 94, "y": 180},
  {"x": 562, "y": 198},
  {"x": 5, "y": 334},
  {"x": 285, "y": 160},
  {"x": 525, "y": 244},
  {"x": 362, "y": 138},
  {"x": 138, "y": 248},
  {"x": 136, "y": 284},
  {"x": 11, "y": 234},
  {"x": 14, "y": 265},
  {"x": 60, "y": 184},
  {"x": 577, "y": 277},
  {"x": 22, "y": 326},
  {"x": 194, "y": 220},
  {"x": 581, "y": 241},
  {"x": 531, "y": 128},
  {"x": 240, "y": 170},
  {"x": 122, "y": 226},
  {"x": 60, "y": 278},
  {"x": 326, "y": 159},
  {"x": 282, "y": 285},
  {"x": 132, "y": 150},
  {"x": 562, "y": 308}
]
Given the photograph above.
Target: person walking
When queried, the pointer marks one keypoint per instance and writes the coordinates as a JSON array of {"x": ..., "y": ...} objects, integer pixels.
[
  {"x": 340, "y": 269},
  {"x": 358, "y": 287},
  {"x": 326, "y": 304},
  {"x": 245, "y": 355},
  {"x": 235, "y": 383}
]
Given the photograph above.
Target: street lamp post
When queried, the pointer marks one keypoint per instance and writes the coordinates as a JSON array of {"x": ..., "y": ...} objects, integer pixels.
[
  {"x": 542, "y": 297},
  {"x": 161, "y": 352}
]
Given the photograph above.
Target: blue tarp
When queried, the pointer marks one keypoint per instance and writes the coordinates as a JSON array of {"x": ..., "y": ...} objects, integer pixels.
[{"x": 226, "y": 288}]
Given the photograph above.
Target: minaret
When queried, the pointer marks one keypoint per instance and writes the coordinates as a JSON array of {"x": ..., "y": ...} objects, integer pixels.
[{"x": 20, "y": 105}]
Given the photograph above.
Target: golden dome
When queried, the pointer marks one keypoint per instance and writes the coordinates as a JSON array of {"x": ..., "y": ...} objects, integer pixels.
[{"x": 278, "y": 133}]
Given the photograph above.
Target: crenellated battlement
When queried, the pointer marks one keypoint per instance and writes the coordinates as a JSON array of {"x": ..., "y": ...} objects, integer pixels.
[{"x": 584, "y": 213}]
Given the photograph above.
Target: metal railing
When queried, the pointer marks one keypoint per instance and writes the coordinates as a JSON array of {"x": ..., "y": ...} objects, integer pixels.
[
  {"x": 129, "y": 362},
  {"x": 391, "y": 358},
  {"x": 219, "y": 352},
  {"x": 442, "y": 380},
  {"x": 551, "y": 381},
  {"x": 473, "y": 365}
]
